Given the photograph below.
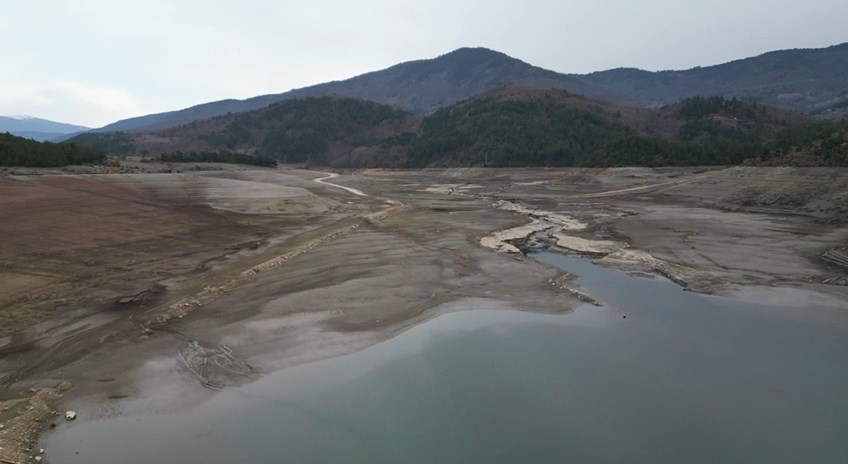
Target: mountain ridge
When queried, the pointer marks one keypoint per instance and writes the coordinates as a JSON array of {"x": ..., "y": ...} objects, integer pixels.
[
  {"x": 382, "y": 86},
  {"x": 37, "y": 128},
  {"x": 811, "y": 80}
]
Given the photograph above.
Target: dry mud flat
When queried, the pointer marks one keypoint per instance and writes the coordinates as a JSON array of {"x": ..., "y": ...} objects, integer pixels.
[
  {"x": 149, "y": 291},
  {"x": 706, "y": 229}
]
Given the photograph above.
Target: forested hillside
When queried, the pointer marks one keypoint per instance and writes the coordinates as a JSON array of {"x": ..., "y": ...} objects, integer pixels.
[
  {"x": 515, "y": 127},
  {"x": 19, "y": 151},
  {"x": 114, "y": 143},
  {"x": 315, "y": 131},
  {"x": 701, "y": 131},
  {"x": 508, "y": 126},
  {"x": 520, "y": 126},
  {"x": 820, "y": 144}
]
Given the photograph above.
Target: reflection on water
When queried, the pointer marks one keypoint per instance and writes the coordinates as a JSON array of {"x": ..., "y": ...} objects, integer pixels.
[{"x": 684, "y": 378}]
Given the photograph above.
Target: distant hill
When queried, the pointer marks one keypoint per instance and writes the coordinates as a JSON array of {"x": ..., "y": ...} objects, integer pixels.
[
  {"x": 507, "y": 126},
  {"x": 420, "y": 86},
  {"x": 37, "y": 129},
  {"x": 813, "y": 81}
]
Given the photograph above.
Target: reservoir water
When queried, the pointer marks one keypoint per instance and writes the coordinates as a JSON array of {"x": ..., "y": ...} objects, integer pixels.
[{"x": 685, "y": 378}]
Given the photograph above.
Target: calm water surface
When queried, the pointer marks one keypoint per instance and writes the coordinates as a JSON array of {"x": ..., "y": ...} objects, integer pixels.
[{"x": 684, "y": 378}]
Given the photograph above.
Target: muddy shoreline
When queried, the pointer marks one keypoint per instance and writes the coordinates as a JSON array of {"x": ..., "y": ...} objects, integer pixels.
[{"x": 330, "y": 271}]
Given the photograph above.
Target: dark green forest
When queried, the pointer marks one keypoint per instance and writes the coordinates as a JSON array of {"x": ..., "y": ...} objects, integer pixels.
[
  {"x": 512, "y": 133},
  {"x": 302, "y": 130},
  {"x": 647, "y": 151},
  {"x": 815, "y": 144},
  {"x": 19, "y": 151},
  {"x": 716, "y": 119},
  {"x": 113, "y": 143},
  {"x": 520, "y": 127},
  {"x": 310, "y": 125},
  {"x": 818, "y": 144},
  {"x": 551, "y": 132}
]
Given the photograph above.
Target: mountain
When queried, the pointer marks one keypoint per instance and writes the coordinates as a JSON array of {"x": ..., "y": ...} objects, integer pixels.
[
  {"x": 37, "y": 129},
  {"x": 420, "y": 86},
  {"x": 506, "y": 126},
  {"x": 813, "y": 81}
]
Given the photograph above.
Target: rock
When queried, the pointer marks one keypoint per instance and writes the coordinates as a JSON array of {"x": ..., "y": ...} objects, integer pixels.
[
  {"x": 70, "y": 415},
  {"x": 38, "y": 459},
  {"x": 41, "y": 451}
]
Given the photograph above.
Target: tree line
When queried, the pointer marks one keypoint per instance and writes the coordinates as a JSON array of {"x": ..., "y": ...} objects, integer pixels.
[{"x": 19, "y": 151}]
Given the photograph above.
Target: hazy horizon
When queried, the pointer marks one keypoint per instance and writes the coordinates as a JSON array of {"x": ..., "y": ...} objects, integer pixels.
[{"x": 96, "y": 62}]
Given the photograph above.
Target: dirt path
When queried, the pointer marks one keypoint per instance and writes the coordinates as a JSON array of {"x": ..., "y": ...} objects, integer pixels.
[{"x": 332, "y": 175}]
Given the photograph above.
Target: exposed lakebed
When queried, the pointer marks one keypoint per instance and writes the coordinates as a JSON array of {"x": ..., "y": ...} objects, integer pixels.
[{"x": 683, "y": 378}]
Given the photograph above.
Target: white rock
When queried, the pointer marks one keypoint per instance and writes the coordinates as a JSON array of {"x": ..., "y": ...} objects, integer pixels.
[
  {"x": 70, "y": 415},
  {"x": 38, "y": 459},
  {"x": 41, "y": 451}
]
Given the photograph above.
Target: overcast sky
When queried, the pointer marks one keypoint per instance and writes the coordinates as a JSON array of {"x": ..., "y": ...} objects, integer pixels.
[{"x": 92, "y": 62}]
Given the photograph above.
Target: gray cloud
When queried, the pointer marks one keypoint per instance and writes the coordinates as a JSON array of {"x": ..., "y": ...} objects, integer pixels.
[{"x": 94, "y": 61}]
